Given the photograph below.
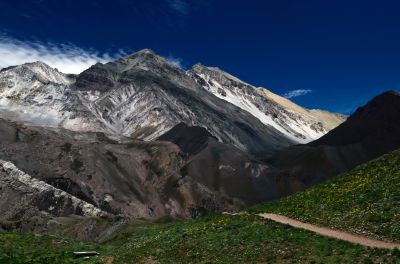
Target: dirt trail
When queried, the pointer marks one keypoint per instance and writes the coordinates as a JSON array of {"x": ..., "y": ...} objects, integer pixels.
[{"x": 356, "y": 239}]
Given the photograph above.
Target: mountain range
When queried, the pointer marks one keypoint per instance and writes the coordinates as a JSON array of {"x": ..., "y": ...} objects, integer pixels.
[
  {"x": 140, "y": 137},
  {"x": 143, "y": 96}
]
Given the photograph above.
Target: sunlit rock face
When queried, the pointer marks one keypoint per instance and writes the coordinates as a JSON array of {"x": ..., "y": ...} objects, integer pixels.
[{"x": 143, "y": 96}]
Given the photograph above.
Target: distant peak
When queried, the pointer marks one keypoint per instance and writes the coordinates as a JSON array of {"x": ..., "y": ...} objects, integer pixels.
[
  {"x": 38, "y": 63},
  {"x": 145, "y": 51},
  {"x": 147, "y": 59},
  {"x": 144, "y": 56},
  {"x": 141, "y": 53},
  {"x": 198, "y": 66},
  {"x": 35, "y": 63},
  {"x": 32, "y": 66}
]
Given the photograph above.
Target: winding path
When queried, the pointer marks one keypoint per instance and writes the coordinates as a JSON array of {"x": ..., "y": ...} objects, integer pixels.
[{"x": 356, "y": 239}]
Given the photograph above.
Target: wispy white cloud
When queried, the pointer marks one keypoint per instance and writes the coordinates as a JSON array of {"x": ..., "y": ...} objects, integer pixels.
[
  {"x": 67, "y": 58},
  {"x": 178, "y": 62},
  {"x": 180, "y": 6},
  {"x": 296, "y": 93}
]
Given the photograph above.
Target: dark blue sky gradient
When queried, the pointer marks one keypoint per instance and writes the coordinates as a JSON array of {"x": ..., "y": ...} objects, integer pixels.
[{"x": 344, "y": 51}]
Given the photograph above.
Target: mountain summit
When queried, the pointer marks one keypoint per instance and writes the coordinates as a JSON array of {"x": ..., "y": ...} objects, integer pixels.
[{"x": 143, "y": 95}]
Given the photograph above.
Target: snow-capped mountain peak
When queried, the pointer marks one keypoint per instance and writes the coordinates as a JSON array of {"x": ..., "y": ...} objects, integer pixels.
[
  {"x": 143, "y": 95},
  {"x": 37, "y": 71},
  {"x": 299, "y": 124}
]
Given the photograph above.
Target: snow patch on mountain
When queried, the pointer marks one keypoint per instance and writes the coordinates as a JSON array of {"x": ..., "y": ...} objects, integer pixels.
[
  {"x": 38, "y": 94},
  {"x": 297, "y": 123}
]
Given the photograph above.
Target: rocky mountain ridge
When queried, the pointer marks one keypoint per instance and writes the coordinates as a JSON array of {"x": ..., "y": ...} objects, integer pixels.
[
  {"x": 143, "y": 96},
  {"x": 299, "y": 124},
  {"x": 23, "y": 196}
]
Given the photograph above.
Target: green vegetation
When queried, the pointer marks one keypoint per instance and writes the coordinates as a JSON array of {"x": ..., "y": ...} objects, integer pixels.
[
  {"x": 365, "y": 200},
  {"x": 34, "y": 249},
  {"x": 235, "y": 239},
  {"x": 213, "y": 239}
]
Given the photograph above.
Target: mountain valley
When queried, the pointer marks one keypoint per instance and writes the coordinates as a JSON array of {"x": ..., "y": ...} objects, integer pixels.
[{"x": 137, "y": 149}]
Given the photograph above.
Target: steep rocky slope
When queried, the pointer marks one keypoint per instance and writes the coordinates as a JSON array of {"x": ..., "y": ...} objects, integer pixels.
[
  {"x": 126, "y": 179},
  {"x": 314, "y": 116},
  {"x": 133, "y": 178},
  {"x": 23, "y": 196},
  {"x": 299, "y": 124},
  {"x": 222, "y": 168},
  {"x": 370, "y": 132},
  {"x": 186, "y": 173}
]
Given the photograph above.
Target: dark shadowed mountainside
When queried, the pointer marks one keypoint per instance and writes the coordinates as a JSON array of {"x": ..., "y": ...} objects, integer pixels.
[
  {"x": 190, "y": 140},
  {"x": 371, "y": 131},
  {"x": 126, "y": 177}
]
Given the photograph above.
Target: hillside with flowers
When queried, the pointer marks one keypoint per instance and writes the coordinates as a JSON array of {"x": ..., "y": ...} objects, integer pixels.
[
  {"x": 364, "y": 200},
  {"x": 222, "y": 238}
]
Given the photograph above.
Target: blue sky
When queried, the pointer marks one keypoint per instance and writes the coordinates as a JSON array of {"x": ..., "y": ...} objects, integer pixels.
[{"x": 335, "y": 55}]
